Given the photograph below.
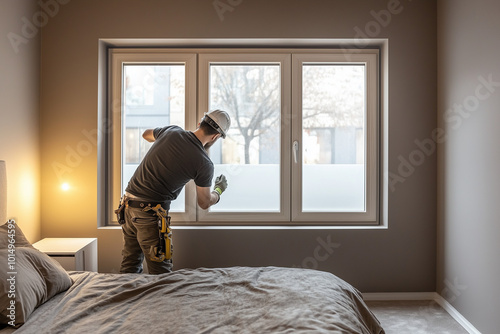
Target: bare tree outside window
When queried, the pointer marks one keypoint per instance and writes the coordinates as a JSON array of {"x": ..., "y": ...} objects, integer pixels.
[
  {"x": 251, "y": 94},
  {"x": 333, "y": 113}
]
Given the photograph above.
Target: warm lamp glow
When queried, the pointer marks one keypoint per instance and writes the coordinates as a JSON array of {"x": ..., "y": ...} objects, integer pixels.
[
  {"x": 25, "y": 188},
  {"x": 65, "y": 186}
]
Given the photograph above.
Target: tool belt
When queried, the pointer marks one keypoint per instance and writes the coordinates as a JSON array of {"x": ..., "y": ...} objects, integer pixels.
[
  {"x": 138, "y": 204},
  {"x": 164, "y": 248}
]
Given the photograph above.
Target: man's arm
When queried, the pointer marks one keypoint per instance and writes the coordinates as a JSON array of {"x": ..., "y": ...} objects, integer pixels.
[
  {"x": 148, "y": 135},
  {"x": 206, "y": 197}
]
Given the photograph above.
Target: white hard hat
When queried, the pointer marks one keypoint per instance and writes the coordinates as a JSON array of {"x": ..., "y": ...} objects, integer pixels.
[{"x": 219, "y": 120}]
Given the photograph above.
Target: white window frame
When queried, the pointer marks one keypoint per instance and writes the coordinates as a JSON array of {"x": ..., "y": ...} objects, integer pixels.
[
  {"x": 118, "y": 58},
  {"x": 197, "y": 63},
  {"x": 368, "y": 58},
  {"x": 244, "y": 57}
]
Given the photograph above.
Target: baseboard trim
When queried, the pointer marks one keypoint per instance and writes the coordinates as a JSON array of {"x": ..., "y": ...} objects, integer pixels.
[
  {"x": 399, "y": 295},
  {"x": 387, "y": 296}
]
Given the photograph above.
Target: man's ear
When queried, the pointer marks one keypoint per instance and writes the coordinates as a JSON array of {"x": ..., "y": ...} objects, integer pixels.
[{"x": 216, "y": 136}]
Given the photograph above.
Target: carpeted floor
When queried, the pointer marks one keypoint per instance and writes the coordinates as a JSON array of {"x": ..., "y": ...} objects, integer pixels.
[{"x": 414, "y": 317}]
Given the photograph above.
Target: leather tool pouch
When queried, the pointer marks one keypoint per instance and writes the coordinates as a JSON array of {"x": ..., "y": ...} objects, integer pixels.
[{"x": 120, "y": 212}]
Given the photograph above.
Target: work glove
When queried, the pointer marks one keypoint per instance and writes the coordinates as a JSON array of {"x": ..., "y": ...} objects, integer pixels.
[{"x": 220, "y": 184}]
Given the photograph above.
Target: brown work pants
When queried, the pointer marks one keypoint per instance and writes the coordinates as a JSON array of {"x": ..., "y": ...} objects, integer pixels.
[{"x": 140, "y": 232}]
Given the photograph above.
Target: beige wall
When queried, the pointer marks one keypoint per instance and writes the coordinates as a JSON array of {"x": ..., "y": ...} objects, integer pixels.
[
  {"x": 19, "y": 112},
  {"x": 469, "y": 160},
  {"x": 401, "y": 258}
]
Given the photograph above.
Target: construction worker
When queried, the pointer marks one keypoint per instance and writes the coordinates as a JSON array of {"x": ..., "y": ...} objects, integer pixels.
[{"x": 176, "y": 157}]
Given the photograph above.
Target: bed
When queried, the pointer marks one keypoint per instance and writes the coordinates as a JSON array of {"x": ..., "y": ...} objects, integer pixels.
[{"x": 41, "y": 297}]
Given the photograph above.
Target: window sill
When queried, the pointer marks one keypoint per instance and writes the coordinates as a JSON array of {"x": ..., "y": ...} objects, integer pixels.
[{"x": 266, "y": 227}]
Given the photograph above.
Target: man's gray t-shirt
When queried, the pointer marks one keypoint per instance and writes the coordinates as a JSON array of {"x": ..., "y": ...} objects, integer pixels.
[{"x": 176, "y": 157}]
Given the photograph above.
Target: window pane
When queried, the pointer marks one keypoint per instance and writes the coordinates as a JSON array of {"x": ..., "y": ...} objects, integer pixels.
[
  {"x": 250, "y": 154},
  {"x": 154, "y": 96},
  {"x": 333, "y": 137}
]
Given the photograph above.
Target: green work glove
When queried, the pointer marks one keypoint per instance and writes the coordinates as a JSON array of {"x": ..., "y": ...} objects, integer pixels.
[{"x": 220, "y": 184}]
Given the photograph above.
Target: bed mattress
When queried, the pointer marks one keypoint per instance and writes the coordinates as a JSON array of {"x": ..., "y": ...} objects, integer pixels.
[{"x": 206, "y": 300}]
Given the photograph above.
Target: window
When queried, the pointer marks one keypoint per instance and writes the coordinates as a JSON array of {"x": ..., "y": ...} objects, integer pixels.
[
  {"x": 147, "y": 90},
  {"x": 153, "y": 94},
  {"x": 335, "y": 135},
  {"x": 250, "y": 87},
  {"x": 303, "y": 147}
]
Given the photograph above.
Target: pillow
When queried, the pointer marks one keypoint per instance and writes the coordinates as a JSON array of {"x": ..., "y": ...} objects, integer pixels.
[
  {"x": 28, "y": 278},
  {"x": 10, "y": 233}
]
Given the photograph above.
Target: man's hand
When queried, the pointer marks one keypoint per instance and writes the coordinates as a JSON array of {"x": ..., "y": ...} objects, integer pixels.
[
  {"x": 207, "y": 198},
  {"x": 220, "y": 184}
]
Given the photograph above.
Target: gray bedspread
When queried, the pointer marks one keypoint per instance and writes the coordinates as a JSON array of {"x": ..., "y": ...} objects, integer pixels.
[{"x": 221, "y": 300}]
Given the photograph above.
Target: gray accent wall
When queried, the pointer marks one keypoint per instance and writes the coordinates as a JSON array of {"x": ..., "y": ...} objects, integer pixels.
[
  {"x": 400, "y": 258},
  {"x": 469, "y": 159}
]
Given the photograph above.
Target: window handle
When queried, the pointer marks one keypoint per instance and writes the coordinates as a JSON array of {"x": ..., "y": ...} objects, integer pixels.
[{"x": 295, "y": 150}]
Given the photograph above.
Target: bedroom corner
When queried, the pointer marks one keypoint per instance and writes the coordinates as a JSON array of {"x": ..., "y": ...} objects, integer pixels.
[{"x": 19, "y": 112}]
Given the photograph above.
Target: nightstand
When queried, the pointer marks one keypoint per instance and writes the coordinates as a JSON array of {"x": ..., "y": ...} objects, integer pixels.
[{"x": 79, "y": 254}]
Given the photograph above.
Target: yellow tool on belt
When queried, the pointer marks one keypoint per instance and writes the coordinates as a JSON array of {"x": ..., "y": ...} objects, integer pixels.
[{"x": 164, "y": 249}]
